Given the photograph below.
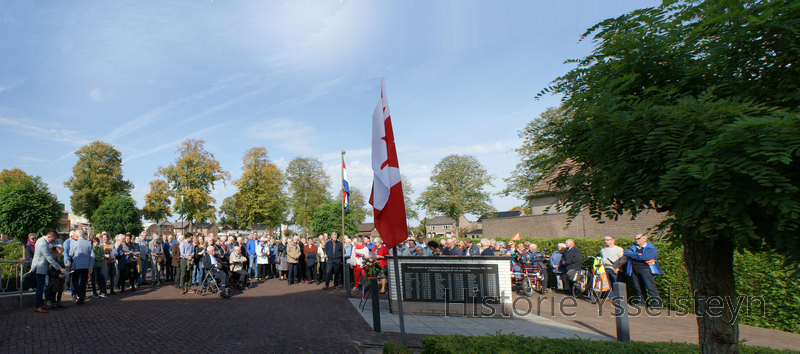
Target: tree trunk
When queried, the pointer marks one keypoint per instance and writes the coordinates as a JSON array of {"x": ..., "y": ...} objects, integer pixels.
[{"x": 710, "y": 268}]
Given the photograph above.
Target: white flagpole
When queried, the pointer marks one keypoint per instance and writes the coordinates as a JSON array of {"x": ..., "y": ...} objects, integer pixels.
[{"x": 344, "y": 263}]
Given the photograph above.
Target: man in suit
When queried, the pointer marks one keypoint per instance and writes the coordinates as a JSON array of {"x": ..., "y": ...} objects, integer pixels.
[
  {"x": 335, "y": 251},
  {"x": 42, "y": 259},
  {"x": 82, "y": 259},
  {"x": 213, "y": 264},
  {"x": 571, "y": 261}
]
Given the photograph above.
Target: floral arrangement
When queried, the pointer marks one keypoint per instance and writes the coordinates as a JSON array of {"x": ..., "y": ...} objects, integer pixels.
[{"x": 372, "y": 269}]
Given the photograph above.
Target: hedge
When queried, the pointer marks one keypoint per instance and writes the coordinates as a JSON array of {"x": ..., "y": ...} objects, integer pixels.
[
  {"x": 759, "y": 276},
  {"x": 511, "y": 343}
]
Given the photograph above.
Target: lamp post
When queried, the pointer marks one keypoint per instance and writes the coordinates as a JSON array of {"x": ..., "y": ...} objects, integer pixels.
[{"x": 183, "y": 220}]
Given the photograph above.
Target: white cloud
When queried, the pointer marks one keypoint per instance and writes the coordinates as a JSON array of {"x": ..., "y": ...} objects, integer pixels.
[
  {"x": 40, "y": 131},
  {"x": 95, "y": 95},
  {"x": 291, "y": 135}
]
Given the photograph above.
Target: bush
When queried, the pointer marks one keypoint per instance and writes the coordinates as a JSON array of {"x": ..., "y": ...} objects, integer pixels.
[
  {"x": 762, "y": 279},
  {"x": 393, "y": 348},
  {"x": 10, "y": 252},
  {"x": 510, "y": 343}
]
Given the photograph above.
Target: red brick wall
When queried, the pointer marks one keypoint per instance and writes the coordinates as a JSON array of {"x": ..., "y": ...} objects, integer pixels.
[{"x": 553, "y": 226}]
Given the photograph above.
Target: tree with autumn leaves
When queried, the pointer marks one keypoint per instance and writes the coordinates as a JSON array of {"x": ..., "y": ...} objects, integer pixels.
[{"x": 191, "y": 179}]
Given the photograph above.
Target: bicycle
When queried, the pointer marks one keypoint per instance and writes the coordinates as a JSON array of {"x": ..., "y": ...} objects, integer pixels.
[{"x": 596, "y": 277}]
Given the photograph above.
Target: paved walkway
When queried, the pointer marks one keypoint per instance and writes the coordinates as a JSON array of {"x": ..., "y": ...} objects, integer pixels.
[
  {"x": 537, "y": 317},
  {"x": 271, "y": 317},
  {"x": 531, "y": 326}
]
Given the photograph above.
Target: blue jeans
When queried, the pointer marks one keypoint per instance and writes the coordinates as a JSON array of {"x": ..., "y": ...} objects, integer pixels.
[
  {"x": 294, "y": 272},
  {"x": 612, "y": 278},
  {"x": 199, "y": 274},
  {"x": 40, "y": 289},
  {"x": 98, "y": 280},
  {"x": 143, "y": 274},
  {"x": 253, "y": 268}
]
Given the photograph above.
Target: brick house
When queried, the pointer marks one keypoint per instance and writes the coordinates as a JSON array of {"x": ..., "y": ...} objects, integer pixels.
[
  {"x": 367, "y": 229},
  {"x": 442, "y": 226},
  {"x": 546, "y": 222}
]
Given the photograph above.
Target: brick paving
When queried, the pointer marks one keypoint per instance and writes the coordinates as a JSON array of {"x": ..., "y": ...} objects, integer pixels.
[
  {"x": 662, "y": 327},
  {"x": 270, "y": 317}
]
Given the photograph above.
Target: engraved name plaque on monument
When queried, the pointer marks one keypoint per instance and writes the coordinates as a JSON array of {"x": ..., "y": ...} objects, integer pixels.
[
  {"x": 452, "y": 286},
  {"x": 453, "y": 282}
]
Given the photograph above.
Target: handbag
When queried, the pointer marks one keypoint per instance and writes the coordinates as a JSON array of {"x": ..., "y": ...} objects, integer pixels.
[{"x": 655, "y": 269}]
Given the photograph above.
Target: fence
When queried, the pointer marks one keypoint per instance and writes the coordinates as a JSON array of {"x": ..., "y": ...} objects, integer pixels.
[{"x": 13, "y": 279}]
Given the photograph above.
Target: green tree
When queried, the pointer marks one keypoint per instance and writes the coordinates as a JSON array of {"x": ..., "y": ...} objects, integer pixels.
[
  {"x": 420, "y": 229},
  {"x": 156, "y": 202},
  {"x": 192, "y": 179},
  {"x": 308, "y": 186},
  {"x": 230, "y": 213},
  {"x": 12, "y": 176},
  {"x": 261, "y": 198},
  {"x": 690, "y": 108},
  {"x": 457, "y": 188},
  {"x": 117, "y": 215},
  {"x": 96, "y": 176},
  {"x": 26, "y": 205},
  {"x": 411, "y": 209},
  {"x": 357, "y": 206},
  {"x": 328, "y": 218},
  {"x": 534, "y": 166}
]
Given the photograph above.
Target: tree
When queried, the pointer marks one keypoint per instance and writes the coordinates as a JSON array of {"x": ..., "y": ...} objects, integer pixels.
[
  {"x": 411, "y": 211},
  {"x": 156, "y": 202},
  {"x": 96, "y": 176},
  {"x": 308, "y": 186},
  {"x": 530, "y": 172},
  {"x": 117, "y": 215},
  {"x": 457, "y": 188},
  {"x": 690, "y": 109},
  {"x": 12, "y": 176},
  {"x": 193, "y": 176},
  {"x": 420, "y": 229},
  {"x": 357, "y": 205},
  {"x": 328, "y": 218},
  {"x": 26, "y": 205},
  {"x": 229, "y": 213},
  {"x": 260, "y": 198}
]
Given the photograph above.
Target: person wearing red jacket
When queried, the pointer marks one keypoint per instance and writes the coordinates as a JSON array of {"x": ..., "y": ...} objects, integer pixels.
[
  {"x": 380, "y": 252},
  {"x": 310, "y": 252}
]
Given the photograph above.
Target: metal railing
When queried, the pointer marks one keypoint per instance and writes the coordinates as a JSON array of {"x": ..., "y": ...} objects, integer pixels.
[{"x": 13, "y": 271}]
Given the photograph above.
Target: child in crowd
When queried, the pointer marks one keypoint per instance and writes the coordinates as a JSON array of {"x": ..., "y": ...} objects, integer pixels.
[{"x": 56, "y": 281}]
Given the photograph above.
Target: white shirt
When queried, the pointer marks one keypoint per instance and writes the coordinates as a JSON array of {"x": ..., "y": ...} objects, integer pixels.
[{"x": 610, "y": 255}]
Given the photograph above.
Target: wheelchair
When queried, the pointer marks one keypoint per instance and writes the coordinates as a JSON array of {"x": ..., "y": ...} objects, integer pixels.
[{"x": 210, "y": 285}]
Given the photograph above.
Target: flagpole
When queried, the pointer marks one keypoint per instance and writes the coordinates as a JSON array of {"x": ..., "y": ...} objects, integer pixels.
[
  {"x": 399, "y": 294},
  {"x": 344, "y": 263}
]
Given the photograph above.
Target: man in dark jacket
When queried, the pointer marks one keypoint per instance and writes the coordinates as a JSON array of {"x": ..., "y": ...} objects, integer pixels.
[
  {"x": 571, "y": 260},
  {"x": 212, "y": 263},
  {"x": 334, "y": 250}
]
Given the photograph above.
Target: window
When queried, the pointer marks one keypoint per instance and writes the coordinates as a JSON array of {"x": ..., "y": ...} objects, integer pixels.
[
  {"x": 432, "y": 227},
  {"x": 446, "y": 227}
]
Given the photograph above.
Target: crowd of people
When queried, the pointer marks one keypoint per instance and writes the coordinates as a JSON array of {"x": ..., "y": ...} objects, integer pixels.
[{"x": 124, "y": 262}]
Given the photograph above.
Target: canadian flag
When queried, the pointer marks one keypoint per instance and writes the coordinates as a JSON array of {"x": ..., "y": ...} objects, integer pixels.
[{"x": 387, "y": 191}]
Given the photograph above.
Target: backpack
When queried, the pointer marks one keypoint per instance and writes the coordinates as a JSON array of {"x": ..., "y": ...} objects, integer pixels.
[{"x": 311, "y": 259}]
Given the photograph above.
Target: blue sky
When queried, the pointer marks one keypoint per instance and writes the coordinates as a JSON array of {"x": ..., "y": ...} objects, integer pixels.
[{"x": 300, "y": 78}]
